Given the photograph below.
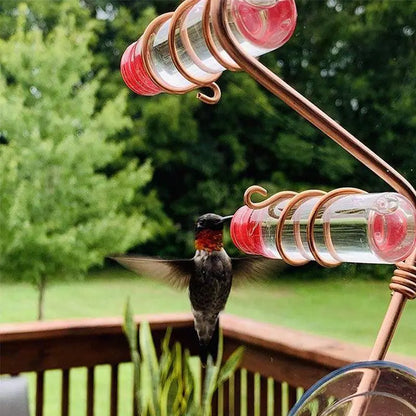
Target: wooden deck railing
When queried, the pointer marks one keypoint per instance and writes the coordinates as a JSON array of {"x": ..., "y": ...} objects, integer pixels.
[{"x": 277, "y": 362}]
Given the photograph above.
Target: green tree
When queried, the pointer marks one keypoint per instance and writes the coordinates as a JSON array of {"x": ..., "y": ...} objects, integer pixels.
[{"x": 60, "y": 211}]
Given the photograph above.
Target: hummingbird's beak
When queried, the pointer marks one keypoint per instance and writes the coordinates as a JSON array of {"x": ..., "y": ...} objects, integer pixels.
[{"x": 228, "y": 217}]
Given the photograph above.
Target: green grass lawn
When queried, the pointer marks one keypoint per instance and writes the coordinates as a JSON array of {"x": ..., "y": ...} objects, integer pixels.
[{"x": 345, "y": 308}]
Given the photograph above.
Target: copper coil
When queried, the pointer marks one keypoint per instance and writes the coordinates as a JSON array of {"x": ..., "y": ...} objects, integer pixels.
[
  {"x": 189, "y": 49},
  {"x": 289, "y": 208},
  {"x": 313, "y": 216},
  {"x": 296, "y": 200},
  {"x": 404, "y": 280},
  {"x": 176, "y": 23},
  {"x": 206, "y": 26},
  {"x": 147, "y": 36},
  {"x": 256, "y": 189}
]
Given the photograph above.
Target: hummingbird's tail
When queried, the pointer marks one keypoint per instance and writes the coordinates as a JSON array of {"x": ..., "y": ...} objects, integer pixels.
[{"x": 211, "y": 348}]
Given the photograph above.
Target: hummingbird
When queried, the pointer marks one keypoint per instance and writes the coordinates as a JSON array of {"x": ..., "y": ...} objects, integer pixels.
[{"x": 208, "y": 275}]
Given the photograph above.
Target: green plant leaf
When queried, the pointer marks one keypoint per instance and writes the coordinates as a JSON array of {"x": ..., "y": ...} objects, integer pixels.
[
  {"x": 165, "y": 407},
  {"x": 165, "y": 361},
  {"x": 129, "y": 326},
  {"x": 220, "y": 348},
  {"x": 146, "y": 390},
  {"x": 150, "y": 362},
  {"x": 230, "y": 366},
  {"x": 172, "y": 385},
  {"x": 210, "y": 381},
  {"x": 193, "y": 374},
  {"x": 188, "y": 379},
  {"x": 130, "y": 330},
  {"x": 177, "y": 401}
]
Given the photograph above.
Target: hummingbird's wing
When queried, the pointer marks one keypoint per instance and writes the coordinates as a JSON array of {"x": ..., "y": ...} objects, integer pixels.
[
  {"x": 254, "y": 268},
  {"x": 176, "y": 272}
]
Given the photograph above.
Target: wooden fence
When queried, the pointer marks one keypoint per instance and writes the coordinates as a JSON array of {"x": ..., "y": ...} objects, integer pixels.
[{"x": 278, "y": 363}]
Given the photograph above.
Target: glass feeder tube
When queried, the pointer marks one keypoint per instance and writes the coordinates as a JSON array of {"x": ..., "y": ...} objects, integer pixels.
[
  {"x": 259, "y": 26},
  {"x": 362, "y": 228}
]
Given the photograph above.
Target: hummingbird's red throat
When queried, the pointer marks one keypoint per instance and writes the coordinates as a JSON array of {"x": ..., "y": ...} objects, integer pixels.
[{"x": 209, "y": 240}]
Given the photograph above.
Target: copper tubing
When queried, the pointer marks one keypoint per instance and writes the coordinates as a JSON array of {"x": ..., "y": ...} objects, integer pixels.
[{"x": 296, "y": 199}]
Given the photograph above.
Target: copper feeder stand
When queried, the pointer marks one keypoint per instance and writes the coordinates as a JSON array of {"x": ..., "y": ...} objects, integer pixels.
[{"x": 403, "y": 282}]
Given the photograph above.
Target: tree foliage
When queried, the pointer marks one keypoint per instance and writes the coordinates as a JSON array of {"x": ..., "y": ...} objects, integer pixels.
[{"x": 60, "y": 211}]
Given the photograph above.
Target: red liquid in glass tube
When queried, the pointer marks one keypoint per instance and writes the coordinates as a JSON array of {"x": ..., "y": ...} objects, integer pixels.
[
  {"x": 267, "y": 27},
  {"x": 364, "y": 228},
  {"x": 258, "y": 29},
  {"x": 133, "y": 72}
]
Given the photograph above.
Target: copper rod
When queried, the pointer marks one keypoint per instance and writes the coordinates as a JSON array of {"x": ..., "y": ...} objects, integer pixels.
[
  {"x": 303, "y": 106},
  {"x": 403, "y": 285},
  {"x": 385, "y": 335},
  {"x": 388, "y": 326},
  {"x": 361, "y": 401}
]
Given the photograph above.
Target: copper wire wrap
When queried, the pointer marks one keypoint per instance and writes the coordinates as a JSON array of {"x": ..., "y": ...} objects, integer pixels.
[
  {"x": 176, "y": 22},
  {"x": 296, "y": 199},
  {"x": 313, "y": 216},
  {"x": 206, "y": 26},
  {"x": 404, "y": 280},
  {"x": 147, "y": 37},
  {"x": 177, "y": 19}
]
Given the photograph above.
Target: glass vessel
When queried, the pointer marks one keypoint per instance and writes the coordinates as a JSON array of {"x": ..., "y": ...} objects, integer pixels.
[
  {"x": 372, "y": 388},
  {"x": 359, "y": 228},
  {"x": 259, "y": 26}
]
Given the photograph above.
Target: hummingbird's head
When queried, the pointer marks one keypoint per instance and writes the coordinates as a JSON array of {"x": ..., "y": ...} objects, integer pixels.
[{"x": 208, "y": 232}]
